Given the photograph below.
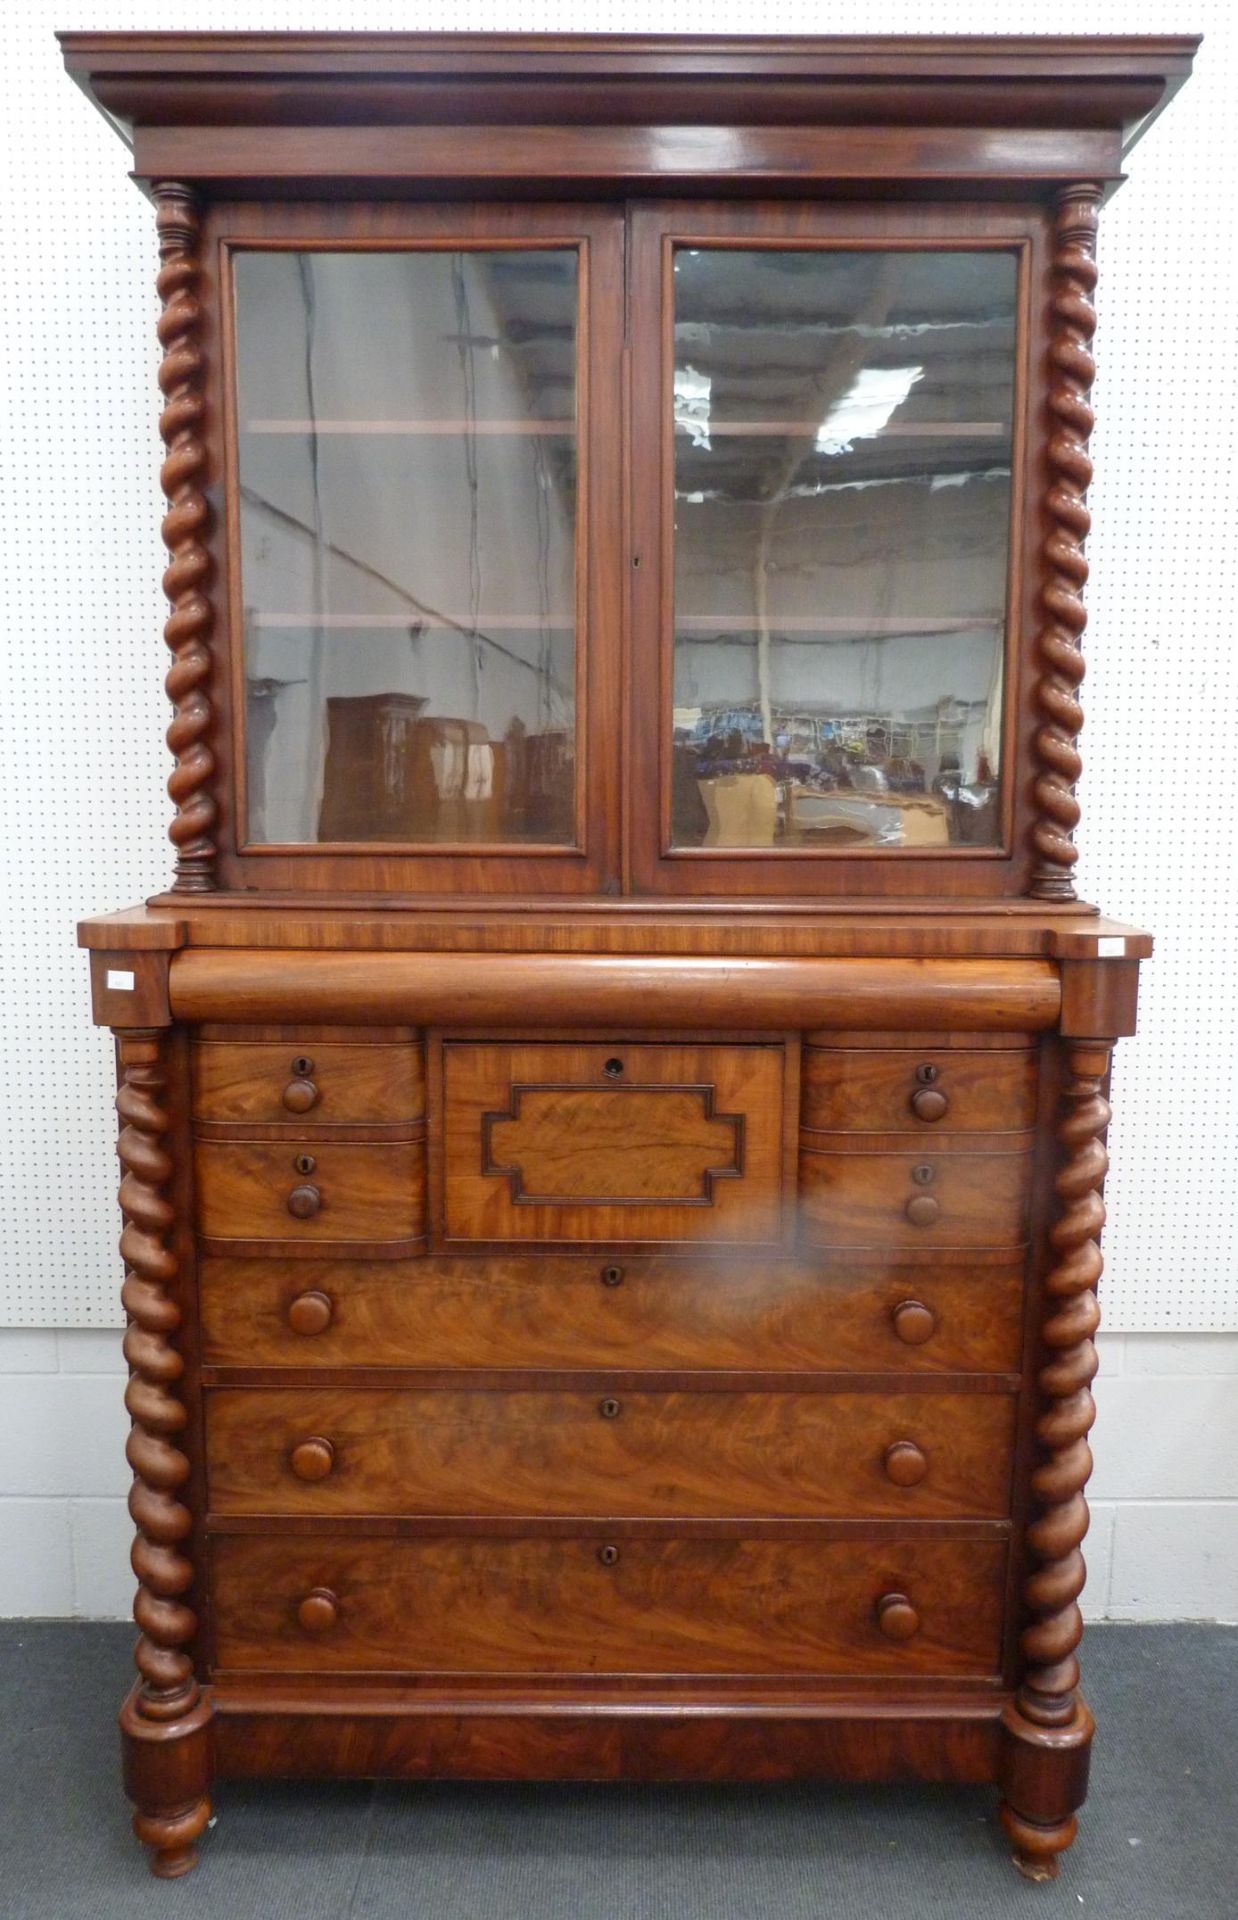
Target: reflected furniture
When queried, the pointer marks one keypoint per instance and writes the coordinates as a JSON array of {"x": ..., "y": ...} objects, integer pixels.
[{"x": 613, "y": 1101}]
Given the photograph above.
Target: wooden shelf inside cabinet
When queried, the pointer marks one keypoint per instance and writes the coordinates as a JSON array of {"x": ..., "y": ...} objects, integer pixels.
[{"x": 625, "y": 1001}]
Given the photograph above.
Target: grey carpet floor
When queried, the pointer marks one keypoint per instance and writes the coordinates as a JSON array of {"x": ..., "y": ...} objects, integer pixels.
[{"x": 1157, "y": 1839}]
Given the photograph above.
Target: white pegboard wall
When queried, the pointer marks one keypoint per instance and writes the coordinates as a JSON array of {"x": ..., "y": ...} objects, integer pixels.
[{"x": 83, "y": 808}]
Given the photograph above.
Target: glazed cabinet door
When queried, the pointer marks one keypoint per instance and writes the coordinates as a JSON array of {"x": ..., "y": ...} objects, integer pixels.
[
  {"x": 829, "y": 460},
  {"x": 421, "y": 413}
]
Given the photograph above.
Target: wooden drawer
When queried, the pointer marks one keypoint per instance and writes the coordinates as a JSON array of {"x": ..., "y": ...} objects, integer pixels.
[
  {"x": 751, "y": 1313},
  {"x": 371, "y": 1192},
  {"x": 635, "y": 1454},
  {"x": 318, "y": 1083},
  {"x": 613, "y": 1142},
  {"x": 923, "y": 1089},
  {"x": 325, "y": 1604},
  {"x": 914, "y": 1199}
]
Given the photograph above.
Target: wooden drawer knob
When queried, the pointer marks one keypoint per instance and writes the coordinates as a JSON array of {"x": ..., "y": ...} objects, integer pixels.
[
  {"x": 906, "y": 1464},
  {"x": 311, "y": 1312},
  {"x": 922, "y": 1210},
  {"x": 896, "y": 1617},
  {"x": 312, "y": 1459},
  {"x": 929, "y": 1103},
  {"x": 914, "y": 1323},
  {"x": 304, "y": 1202},
  {"x": 300, "y": 1095},
  {"x": 319, "y": 1611}
]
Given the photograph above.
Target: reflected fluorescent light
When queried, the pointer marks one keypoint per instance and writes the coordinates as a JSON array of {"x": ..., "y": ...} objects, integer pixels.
[
  {"x": 692, "y": 391},
  {"x": 875, "y": 394}
]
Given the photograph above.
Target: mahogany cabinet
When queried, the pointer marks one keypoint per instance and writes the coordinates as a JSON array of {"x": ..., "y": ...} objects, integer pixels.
[{"x": 613, "y": 1101}]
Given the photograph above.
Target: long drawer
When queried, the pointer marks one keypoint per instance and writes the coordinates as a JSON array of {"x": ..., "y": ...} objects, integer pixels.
[
  {"x": 358, "y": 1451},
  {"x": 751, "y": 1313},
  {"x": 588, "y": 1606}
]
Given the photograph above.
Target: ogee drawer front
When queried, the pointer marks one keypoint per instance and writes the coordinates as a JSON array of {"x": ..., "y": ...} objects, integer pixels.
[
  {"x": 870, "y": 1091},
  {"x": 442, "y": 1605},
  {"x": 320, "y": 1083},
  {"x": 613, "y": 1142},
  {"x": 302, "y": 1189},
  {"x": 709, "y": 1454},
  {"x": 574, "y": 1311},
  {"x": 914, "y": 1199}
]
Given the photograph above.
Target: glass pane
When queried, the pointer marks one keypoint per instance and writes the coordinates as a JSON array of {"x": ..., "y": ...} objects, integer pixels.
[
  {"x": 407, "y": 441},
  {"x": 842, "y": 503}
]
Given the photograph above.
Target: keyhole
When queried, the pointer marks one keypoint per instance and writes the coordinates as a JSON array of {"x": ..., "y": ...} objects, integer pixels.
[
  {"x": 926, "y": 1075},
  {"x": 922, "y": 1176},
  {"x": 613, "y": 1068},
  {"x": 302, "y": 1065},
  {"x": 305, "y": 1163}
]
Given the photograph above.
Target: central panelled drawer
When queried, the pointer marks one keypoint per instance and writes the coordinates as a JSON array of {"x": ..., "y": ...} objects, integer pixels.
[
  {"x": 584, "y": 1605},
  {"x": 612, "y": 1142},
  {"x": 926, "y": 1313},
  {"x": 409, "y": 1451}
]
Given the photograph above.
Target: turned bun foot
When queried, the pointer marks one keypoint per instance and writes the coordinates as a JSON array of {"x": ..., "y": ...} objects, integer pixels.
[
  {"x": 1035, "y": 1848},
  {"x": 171, "y": 1837}
]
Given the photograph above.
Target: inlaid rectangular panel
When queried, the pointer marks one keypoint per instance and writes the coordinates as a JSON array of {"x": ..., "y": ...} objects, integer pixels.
[
  {"x": 612, "y": 1142},
  {"x": 905, "y": 1200},
  {"x": 307, "y": 1190},
  {"x": 920, "y": 1089},
  {"x": 311, "y": 1083},
  {"x": 700, "y": 1311},
  {"x": 538, "y": 1606},
  {"x": 355, "y": 1450}
]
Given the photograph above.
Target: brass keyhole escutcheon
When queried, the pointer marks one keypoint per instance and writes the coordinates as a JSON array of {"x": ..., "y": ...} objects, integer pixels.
[
  {"x": 613, "y": 1067},
  {"x": 923, "y": 1175},
  {"x": 609, "y": 1409},
  {"x": 927, "y": 1074},
  {"x": 609, "y": 1556},
  {"x": 302, "y": 1066},
  {"x": 612, "y": 1276},
  {"x": 305, "y": 1163}
]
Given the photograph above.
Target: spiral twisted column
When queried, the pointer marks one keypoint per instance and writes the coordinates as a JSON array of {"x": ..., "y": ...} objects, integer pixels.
[
  {"x": 1047, "y": 1695},
  {"x": 187, "y": 575},
  {"x": 165, "y": 1707},
  {"x": 1059, "y": 640}
]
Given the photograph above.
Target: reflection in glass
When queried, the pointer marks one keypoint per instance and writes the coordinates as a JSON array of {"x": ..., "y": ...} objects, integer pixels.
[
  {"x": 842, "y": 503},
  {"x": 407, "y": 452}
]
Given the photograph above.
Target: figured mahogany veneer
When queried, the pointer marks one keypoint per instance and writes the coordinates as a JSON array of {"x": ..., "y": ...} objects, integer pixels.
[
  {"x": 926, "y": 1195},
  {"x": 944, "y": 1089},
  {"x": 617, "y": 1309},
  {"x": 634, "y": 1453},
  {"x": 746, "y": 1311},
  {"x": 310, "y": 1190},
  {"x": 326, "y": 1082},
  {"x": 558, "y": 1607},
  {"x": 612, "y": 1142}
]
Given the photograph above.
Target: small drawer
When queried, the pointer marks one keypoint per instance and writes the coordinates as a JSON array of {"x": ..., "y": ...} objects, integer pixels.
[
  {"x": 592, "y": 1605},
  {"x": 613, "y": 1142},
  {"x": 863, "y": 1090},
  {"x": 919, "y": 1199},
  {"x": 321, "y": 1083},
  {"x": 633, "y": 1311},
  {"x": 310, "y": 1191},
  {"x": 358, "y": 1451}
]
